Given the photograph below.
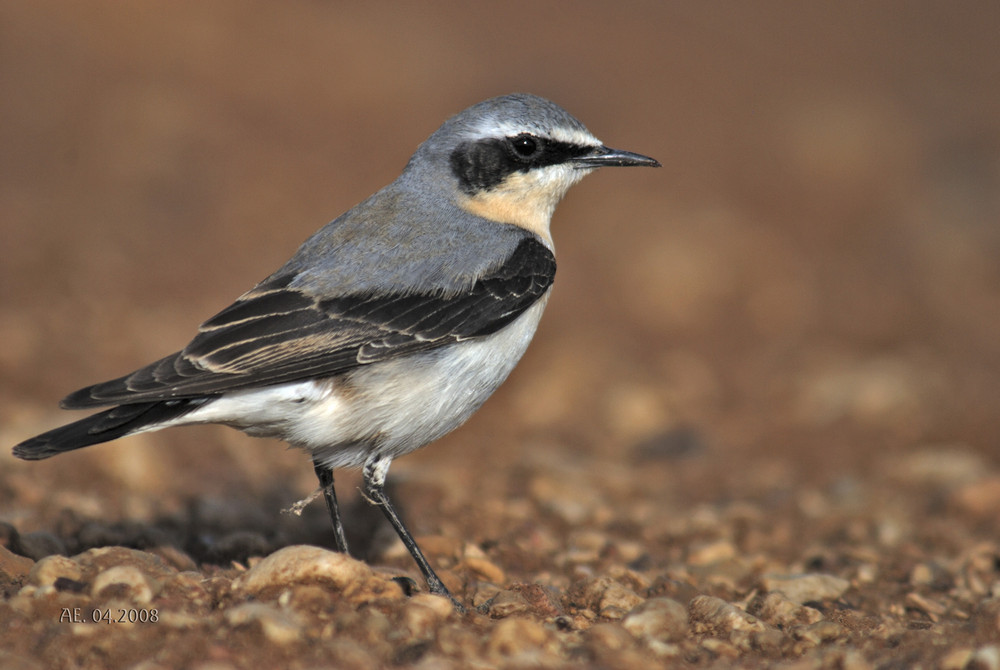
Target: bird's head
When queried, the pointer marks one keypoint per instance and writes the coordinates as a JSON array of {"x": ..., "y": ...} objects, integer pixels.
[{"x": 512, "y": 158}]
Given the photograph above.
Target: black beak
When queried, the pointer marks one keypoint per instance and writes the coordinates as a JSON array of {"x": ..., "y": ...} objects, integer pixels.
[{"x": 606, "y": 156}]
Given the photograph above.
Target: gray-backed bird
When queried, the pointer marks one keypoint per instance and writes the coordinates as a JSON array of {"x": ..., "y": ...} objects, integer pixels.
[{"x": 392, "y": 324}]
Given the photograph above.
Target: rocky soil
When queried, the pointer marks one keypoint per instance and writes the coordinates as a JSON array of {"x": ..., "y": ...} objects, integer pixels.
[{"x": 758, "y": 427}]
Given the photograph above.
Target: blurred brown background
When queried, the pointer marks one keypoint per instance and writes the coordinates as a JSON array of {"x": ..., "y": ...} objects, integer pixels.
[{"x": 808, "y": 287}]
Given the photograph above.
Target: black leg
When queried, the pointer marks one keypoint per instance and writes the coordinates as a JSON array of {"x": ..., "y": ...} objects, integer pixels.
[
  {"x": 325, "y": 475},
  {"x": 374, "y": 474}
]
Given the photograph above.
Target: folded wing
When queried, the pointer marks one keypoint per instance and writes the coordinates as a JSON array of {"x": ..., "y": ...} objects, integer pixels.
[{"x": 278, "y": 333}]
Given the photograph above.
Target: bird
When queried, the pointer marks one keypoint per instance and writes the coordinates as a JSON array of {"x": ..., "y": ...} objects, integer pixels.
[{"x": 391, "y": 325}]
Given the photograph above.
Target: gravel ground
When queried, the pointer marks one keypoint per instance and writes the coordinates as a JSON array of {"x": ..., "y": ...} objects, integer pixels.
[{"x": 758, "y": 426}]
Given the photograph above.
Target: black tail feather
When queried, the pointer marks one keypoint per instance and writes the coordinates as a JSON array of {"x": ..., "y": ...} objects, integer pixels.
[{"x": 104, "y": 426}]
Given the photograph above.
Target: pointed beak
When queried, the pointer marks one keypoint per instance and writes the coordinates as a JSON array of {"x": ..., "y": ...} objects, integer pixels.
[{"x": 606, "y": 156}]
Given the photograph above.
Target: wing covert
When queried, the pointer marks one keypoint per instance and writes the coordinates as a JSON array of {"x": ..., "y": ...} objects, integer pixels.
[{"x": 278, "y": 333}]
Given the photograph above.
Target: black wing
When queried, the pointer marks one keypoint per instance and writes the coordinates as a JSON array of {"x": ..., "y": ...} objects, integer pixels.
[{"x": 278, "y": 334}]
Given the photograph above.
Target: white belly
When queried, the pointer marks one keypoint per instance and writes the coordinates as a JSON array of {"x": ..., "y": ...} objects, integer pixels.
[{"x": 390, "y": 408}]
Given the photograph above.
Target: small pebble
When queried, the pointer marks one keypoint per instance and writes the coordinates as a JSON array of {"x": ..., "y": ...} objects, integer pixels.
[
  {"x": 127, "y": 581},
  {"x": 276, "y": 625},
  {"x": 422, "y": 614},
  {"x": 777, "y": 610},
  {"x": 660, "y": 619},
  {"x": 866, "y": 573},
  {"x": 188, "y": 587},
  {"x": 769, "y": 641},
  {"x": 13, "y": 565},
  {"x": 544, "y": 602},
  {"x": 980, "y": 498},
  {"x": 439, "y": 546},
  {"x": 484, "y": 569},
  {"x": 617, "y": 600},
  {"x": 608, "y": 637},
  {"x": 714, "y": 615},
  {"x": 46, "y": 571},
  {"x": 806, "y": 588},
  {"x": 921, "y": 575},
  {"x": 564, "y": 499},
  {"x": 102, "y": 558},
  {"x": 713, "y": 552},
  {"x": 506, "y": 603},
  {"x": 606, "y": 597},
  {"x": 820, "y": 632},
  {"x": 720, "y": 648},
  {"x": 848, "y": 659},
  {"x": 956, "y": 659},
  {"x": 516, "y": 636},
  {"x": 441, "y": 606},
  {"x": 931, "y": 608},
  {"x": 985, "y": 658},
  {"x": 680, "y": 591},
  {"x": 175, "y": 558},
  {"x": 304, "y": 565}
]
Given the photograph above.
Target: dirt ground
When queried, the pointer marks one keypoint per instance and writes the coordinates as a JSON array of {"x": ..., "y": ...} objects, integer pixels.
[{"x": 758, "y": 426}]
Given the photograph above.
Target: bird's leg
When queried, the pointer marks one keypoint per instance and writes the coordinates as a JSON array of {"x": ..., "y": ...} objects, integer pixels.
[
  {"x": 375, "y": 470},
  {"x": 325, "y": 475}
]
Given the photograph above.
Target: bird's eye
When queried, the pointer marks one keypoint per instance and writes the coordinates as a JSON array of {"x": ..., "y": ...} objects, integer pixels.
[{"x": 524, "y": 145}]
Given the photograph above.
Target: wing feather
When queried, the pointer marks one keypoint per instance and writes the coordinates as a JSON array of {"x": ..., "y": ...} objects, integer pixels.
[{"x": 278, "y": 333}]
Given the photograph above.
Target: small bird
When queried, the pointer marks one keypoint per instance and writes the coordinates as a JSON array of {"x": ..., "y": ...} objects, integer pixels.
[{"x": 389, "y": 326}]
